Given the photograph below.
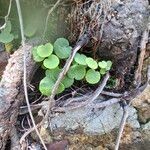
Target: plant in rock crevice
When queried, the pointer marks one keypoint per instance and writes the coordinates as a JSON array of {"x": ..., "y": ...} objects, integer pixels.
[{"x": 51, "y": 58}]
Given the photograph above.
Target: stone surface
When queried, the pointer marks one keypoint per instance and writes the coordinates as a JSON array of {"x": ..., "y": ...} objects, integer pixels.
[
  {"x": 142, "y": 104},
  {"x": 146, "y": 126},
  {"x": 94, "y": 122}
]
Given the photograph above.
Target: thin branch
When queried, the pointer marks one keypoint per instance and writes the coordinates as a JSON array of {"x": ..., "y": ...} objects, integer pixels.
[
  {"x": 122, "y": 125},
  {"x": 112, "y": 94},
  {"x": 6, "y": 17},
  {"x": 25, "y": 72},
  {"x": 48, "y": 15},
  {"x": 81, "y": 104},
  {"x": 105, "y": 103}
]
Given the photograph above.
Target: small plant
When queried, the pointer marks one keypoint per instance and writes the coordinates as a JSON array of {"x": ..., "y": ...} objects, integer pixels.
[
  {"x": 6, "y": 36},
  {"x": 83, "y": 67}
]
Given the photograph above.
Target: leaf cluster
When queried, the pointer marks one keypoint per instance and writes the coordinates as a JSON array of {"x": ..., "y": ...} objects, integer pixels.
[{"x": 51, "y": 58}]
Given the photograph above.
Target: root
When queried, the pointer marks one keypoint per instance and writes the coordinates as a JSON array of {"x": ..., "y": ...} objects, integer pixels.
[{"x": 89, "y": 16}]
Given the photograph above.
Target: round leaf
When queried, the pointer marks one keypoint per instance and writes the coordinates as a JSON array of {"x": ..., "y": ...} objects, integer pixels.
[
  {"x": 92, "y": 76},
  {"x": 80, "y": 59},
  {"x": 67, "y": 82},
  {"x": 91, "y": 63},
  {"x": 102, "y": 64},
  {"x": 62, "y": 48},
  {"x": 77, "y": 71},
  {"x": 7, "y": 29},
  {"x": 71, "y": 72},
  {"x": 36, "y": 57},
  {"x": 30, "y": 30},
  {"x": 62, "y": 52},
  {"x": 6, "y": 37},
  {"x": 61, "y": 88},
  {"x": 46, "y": 86},
  {"x": 53, "y": 73},
  {"x": 51, "y": 62},
  {"x": 62, "y": 42},
  {"x": 45, "y": 50},
  {"x": 109, "y": 65},
  {"x": 103, "y": 71}
]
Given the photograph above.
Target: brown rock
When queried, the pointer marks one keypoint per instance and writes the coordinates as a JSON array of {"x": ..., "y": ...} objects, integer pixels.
[{"x": 61, "y": 145}]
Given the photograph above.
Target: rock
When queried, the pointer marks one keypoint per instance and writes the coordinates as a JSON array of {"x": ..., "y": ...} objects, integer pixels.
[
  {"x": 94, "y": 122},
  {"x": 146, "y": 126},
  {"x": 142, "y": 104},
  {"x": 61, "y": 145},
  {"x": 121, "y": 36}
]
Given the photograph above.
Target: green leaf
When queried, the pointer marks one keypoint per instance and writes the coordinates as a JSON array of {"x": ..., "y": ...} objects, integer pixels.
[
  {"x": 80, "y": 59},
  {"x": 30, "y": 30},
  {"x": 71, "y": 72},
  {"x": 6, "y": 37},
  {"x": 62, "y": 52},
  {"x": 36, "y": 57},
  {"x": 8, "y": 27},
  {"x": 45, "y": 50},
  {"x": 53, "y": 73},
  {"x": 62, "y": 48},
  {"x": 61, "y": 88},
  {"x": 77, "y": 72},
  {"x": 109, "y": 65},
  {"x": 102, "y": 64},
  {"x": 62, "y": 42},
  {"x": 92, "y": 76},
  {"x": 46, "y": 85},
  {"x": 51, "y": 62},
  {"x": 91, "y": 63},
  {"x": 67, "y": 82},
  {"x": 103, "y": 71}
]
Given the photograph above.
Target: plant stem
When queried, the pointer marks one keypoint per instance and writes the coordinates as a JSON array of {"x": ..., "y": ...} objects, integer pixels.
[{"x": 25, "y": 73}]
